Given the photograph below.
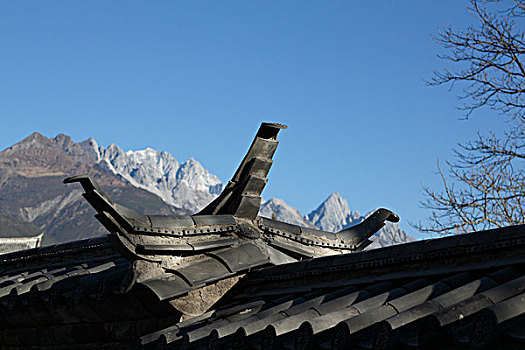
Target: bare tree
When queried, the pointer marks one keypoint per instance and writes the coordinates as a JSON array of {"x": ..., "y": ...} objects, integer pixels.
[
  {"x": 485, "y": 186},
  {"x": 489, "y": 57}
]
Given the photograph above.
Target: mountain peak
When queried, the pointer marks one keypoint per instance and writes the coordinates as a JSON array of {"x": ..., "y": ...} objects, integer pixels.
[
  {"x": 278, "y": 209},
  {"x": 62, "y": 137},
  {"x": 276, "y": 201},
  {"x": 192, "y": 162},
  {"x": 188, "y": 185},
  {"x": 35, "y": 137},
  {"x": 64, "y": 142},
  {"x": 192, "y": 174},
  {"x": 333, "y": 214},
  {"x": 335, "y": 198},
  {"x": 49, "y": 153},
  {"x": 91, "y": 147}
]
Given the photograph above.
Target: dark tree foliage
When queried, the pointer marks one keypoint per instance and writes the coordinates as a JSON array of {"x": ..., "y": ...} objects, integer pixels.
[{"x": 484, "y": 187}]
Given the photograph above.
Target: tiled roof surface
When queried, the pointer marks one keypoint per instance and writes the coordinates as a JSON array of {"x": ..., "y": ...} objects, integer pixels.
[{"x": 443, "y": 293}]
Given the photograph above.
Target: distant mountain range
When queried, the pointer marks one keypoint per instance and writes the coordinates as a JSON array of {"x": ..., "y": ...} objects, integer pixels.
[
  {"x": 333, "y": 215},
  {"x": 184, "y": 185},
  {"x": 149, "y": 181}
]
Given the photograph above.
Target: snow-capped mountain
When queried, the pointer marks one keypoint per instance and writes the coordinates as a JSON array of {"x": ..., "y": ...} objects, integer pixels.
[
  {"x": 390, "y": 234},
  {"x": 185, "y": 185},
  {"x": 278, "y": 209},
  {"x": 190, "y": 186},
  {"x": 334, "y": 214}
]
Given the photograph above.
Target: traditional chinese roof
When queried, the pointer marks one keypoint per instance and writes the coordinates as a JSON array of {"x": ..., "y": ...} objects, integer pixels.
[
  {"x": 454, "y": 291},
  {"x": 466, "y": 289},
  {"x": 225, "y": 278}
]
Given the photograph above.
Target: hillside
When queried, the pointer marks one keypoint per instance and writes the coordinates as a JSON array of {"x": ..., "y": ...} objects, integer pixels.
[{"x": 31, "y": 188}]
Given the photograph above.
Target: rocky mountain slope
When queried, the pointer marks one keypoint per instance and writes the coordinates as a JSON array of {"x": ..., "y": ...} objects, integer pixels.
[
  {"x": 333, "y": 215},
  {"x": 278, "y": 209},
  {"x": 149, "y": 181},
  {"x": 12, "y": 227},
  {"x": 187, "y": 185},
  {"x": 31, "y": 188}
]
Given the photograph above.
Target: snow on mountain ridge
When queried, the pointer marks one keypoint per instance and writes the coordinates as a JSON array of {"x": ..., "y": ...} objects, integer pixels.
[
  {"x": 277, "y": 209},
  {"x": 390, "y": 234},
  {"x": 185, "y": 185},
  {"x": 190, "y": 186},
  {"x": 334, "y": 214}
]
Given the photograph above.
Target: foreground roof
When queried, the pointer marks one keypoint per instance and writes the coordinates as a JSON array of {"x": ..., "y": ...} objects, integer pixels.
[{"x": 466, "y": 289}]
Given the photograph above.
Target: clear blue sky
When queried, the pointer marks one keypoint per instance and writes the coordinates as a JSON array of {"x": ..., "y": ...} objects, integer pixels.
[{"x": 195, "y": 78}]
